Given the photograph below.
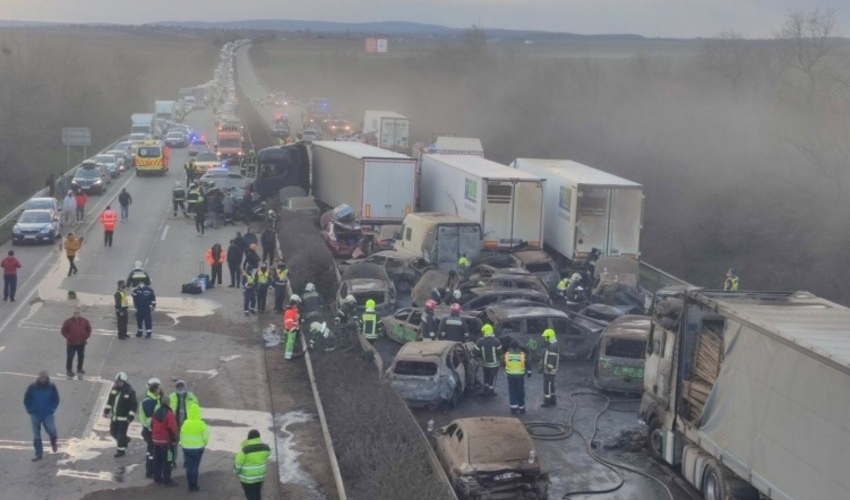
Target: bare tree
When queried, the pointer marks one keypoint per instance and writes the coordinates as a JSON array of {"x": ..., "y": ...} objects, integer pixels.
[
  {"x": 727, "y": 54},
  {"x": 809, "y": 38}
]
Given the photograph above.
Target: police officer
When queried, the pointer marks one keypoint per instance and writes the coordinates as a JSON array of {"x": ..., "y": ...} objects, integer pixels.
[
  {"x": 178, "y": 199},
  {"x": 549, "y": 367},
  {"x": 144, "y": 300},
  {"x": 428, "y": 324},
  {"x": 516, "y": 370},
  {"x": 731, "y": 283},
  {"x": 453, "y": 327},
  {"x": 489, "y": 350},
  {"x": 234, "y": 264},
  {"x": 268, "y": 240},
  {"x": 280, "y": 282},
  {"x": 122, "y": 304},
  {"x": 138, "y": 276},
  {"x": 370, "y": 322},
  {"x": 463, "y": 265},
  {"x": 189, "y": 167},
  {"x": 291, "y": 323},
  {"x": 561, "y": 288},
  {"x": 249, "y": 291},
  {"x": 263, "y": 283},
  {"x": 147, "y": 408},
  {"x": 311, "y": 303},
  {"x": 120, "y": 408}
]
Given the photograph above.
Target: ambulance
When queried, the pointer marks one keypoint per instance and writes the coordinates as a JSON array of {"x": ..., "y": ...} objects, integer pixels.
[{"x": 151, "y": 158}]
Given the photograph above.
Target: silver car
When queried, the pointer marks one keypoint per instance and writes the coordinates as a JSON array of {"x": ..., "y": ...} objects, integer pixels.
[
  {"x": 36, "y": 226},
  {"x": 110, "y": 162}
]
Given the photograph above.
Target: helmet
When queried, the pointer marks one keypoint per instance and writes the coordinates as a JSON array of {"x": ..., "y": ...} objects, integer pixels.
[
  {"x": 455, "y": 307},
  {"x": 549, "y": 334},
  {"x": 430, "y": 305},
  {"x": 487, "y": 330},
  {"x": 294, "y": 299},
  {"x": 349, "y": 299},
  {"x": 289, "y": 324},
  {"x": 575, "y": 278},
  {"x": 154, "y": 381},
  {"x": 252, "y": 246},
  {"x": 310, "y": 287},
  {"x": 122, "y": 376},
  {"x": 370, "y": 305},
  {"x": 316, "y": 327},
  {"x": 137, "y": 264},
  {"x": 729, "y": 273},
  {"x": 456, "y": 294}
]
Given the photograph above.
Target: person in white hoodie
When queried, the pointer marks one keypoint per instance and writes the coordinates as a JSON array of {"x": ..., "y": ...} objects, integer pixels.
[{"x": 69, "y": 207}]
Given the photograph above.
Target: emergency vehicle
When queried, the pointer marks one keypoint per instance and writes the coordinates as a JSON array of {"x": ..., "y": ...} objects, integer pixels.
[{"x": 151, "y": 158}]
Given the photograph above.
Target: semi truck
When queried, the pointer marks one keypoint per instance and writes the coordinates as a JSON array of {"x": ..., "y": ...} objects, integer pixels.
[
  {"x": 507, "y": 202},
  {"x": 747, "y": 393},
  {"x": 282, "y": 166},
  {"x": 389, "y": 129},
  {"x": 587, "y": 208},
  {"x": 457, "y": 146},
  {"x": 379, "y": 185},
  {"x": 141, "y": 123},
  {"x": 165, "y": 110},
  {"x": 439, "y": 238}
]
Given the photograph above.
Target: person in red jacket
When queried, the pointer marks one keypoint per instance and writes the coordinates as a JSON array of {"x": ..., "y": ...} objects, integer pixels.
[
  {"x": 81, "y": 199},
  {"x": 164, "y": 435},
  {"x": 108, "y": 218},
  {"x": 10, "y": 265},
  {"x": 76, "y": 331}
]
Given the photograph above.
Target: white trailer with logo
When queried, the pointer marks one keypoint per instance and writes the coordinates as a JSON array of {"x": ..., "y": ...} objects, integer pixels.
[
  {"x": 508, "y": 203},
  {"x": 391, "y": 130}
]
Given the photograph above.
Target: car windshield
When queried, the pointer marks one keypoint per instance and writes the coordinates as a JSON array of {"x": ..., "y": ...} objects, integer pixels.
[
  {"x": 362, "y": 297},
  {"x": 230, "y": 143},
  {"x": 539, "y": 267},
  {"x": 625, "y": 348},
  {"x": 43, "y": 204},
  {"x": 199, "y": 144},
  {"x": 149, "y": 152},
  {"x": 87, "y": 173},
  {"x": 415, "y": 368},
  {"x": 34, "y": 218},
  {"x": 206, "y": 157}
]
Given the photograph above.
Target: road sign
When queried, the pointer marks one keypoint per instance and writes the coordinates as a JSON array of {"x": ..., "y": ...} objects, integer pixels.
[
  {"x": 371, "y": 45},
  {"x": 76, "y": 136},
  {"x": 382, "y": 45}
]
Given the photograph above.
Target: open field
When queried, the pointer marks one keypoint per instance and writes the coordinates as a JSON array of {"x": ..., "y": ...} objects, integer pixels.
[{"x": 742, "y": 153}]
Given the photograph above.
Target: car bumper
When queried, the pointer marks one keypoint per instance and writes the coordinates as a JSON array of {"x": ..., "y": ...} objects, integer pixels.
[{"x": 32, "y": 238}]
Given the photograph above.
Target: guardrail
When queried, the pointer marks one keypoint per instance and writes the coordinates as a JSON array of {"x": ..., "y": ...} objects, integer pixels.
[
  {"x": 654, "y": 279},
  {"x": 44, "y": 191}
]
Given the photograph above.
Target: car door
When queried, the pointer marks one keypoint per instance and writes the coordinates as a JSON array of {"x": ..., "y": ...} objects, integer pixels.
[
  {"x": 445, "y": 447},
  {"x": 413, "y": 326},
  {"x": 461, "y": 366},
  {"x": 570, "y": 337},
  {"x": 396, "y": 325}
]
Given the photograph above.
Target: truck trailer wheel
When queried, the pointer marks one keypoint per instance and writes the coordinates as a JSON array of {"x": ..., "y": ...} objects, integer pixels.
[
  {"x": 655, "y": 439},
  {"x": 721, "y": 484}
]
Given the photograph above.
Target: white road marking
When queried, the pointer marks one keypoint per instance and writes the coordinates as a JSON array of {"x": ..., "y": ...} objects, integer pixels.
[
  {"x": 209, "y": 373},
  {"x": 225, "y": 359},
  {"x": 79, "y": 474},
  {"x": 289, "y": 469},
  {"x": 164, "y": 233},
  {"x": 95, "y": 331}
]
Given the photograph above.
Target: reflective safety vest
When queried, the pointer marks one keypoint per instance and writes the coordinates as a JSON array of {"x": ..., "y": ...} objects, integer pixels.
[
  {"x": 731, "y": 284},
  {"x": 249, "y": 279},
  {"x": 562, "y": 285},
  {"x": 108, "y": 219},
  {"x": 551, "y": 358},
  {"x": 515, "y": 363},
  {"x": 489, "y": 349},
  {"x": 370, "y": 325},
  {"x": 250, "y": 462},
  {"x": 262, "y": 278},
  {"x": 194, "y": 434},
  {"x": 282, "y": 275},
  {"x": 122, "y": 300},
  {"x": 151, "y": 400},
  {"x": 178, "y": 194},
  {"x": 463, "y": 263}
]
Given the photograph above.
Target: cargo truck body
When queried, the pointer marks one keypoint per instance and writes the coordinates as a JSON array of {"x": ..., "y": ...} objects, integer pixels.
[
  {"x": 748, "y": 393},
  {"x": 141, "y": 123},
  {"x": 439, "y": 238},
  {"x": 391, "y": 130},
  {"x": 379, "y": 185},
  {"x": 508, "y": 203},
  {"x": 165, "y": 110},
  {"x": 587, "y": 208}
]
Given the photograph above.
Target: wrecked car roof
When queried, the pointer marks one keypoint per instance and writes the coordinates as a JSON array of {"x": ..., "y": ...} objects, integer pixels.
[
  {"x": 366, "y": 285},
  {"x": 629, "y": 326},
  {"x": 507, "y": 313},
  {"x": 360, "y": 270},
  {"x": 424, "y": 349},
  {"x": 491, "y": 290},
  {"x": 496, "y": 439}
]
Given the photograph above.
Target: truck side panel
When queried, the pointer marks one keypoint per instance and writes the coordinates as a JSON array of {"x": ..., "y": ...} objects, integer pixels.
[
  {"x": 626, "y": 221},
  {"x": 389, "y": 189},
  {"x": 448, "y": 190},
  {"x": 337, "y": 178}
]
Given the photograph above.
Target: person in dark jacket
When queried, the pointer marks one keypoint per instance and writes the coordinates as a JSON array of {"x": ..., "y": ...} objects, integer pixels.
[
  {"x": 76, "y": 331},
  {"x": 50, "y": 184},
  {"x": 164, "y": 434},
  {"x": 428, "y": 323},
  {"x": 234, "y": 264},
  {"x": 200, "y": 217},
  {"x": 268, "y": 240},
  {"x": 144, "y": 300},
  {"x": 124, "y": 199},
  {"x": 121, "y": 406},
  {"x": 252, "y": 260},
  {"x": 41, "y": 401}
]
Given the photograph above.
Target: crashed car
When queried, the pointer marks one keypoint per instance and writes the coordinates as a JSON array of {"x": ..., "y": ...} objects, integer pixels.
[
  {"x": 606, "y": 313},
  {"x": 430, "y": 374},
  {"x": 619, "y": 362},
  {"x": 536, "y": 262},
  {"x": 404, "y": 268},
  {"x": 491, "y": 458},
  {"x": 367, "y": 281},
  {"x": 617, "y": 283},
  {"x": 404, "y": 325},
  {"x": 577, "y": 336},
  {"x": 479, "y": 299},
  {"x": 524, "y": 281}
]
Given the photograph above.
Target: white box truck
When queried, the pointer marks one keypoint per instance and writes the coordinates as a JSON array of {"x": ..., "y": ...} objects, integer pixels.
[
  {"x": 508, "y": 203},
  {"x": 379, "y": 185},
  {"x": 165, "y": 110},
  {"x": 457, "y": 146},
  {"x": 391, "y": 130},
  {"x": 587, "y": 208},
  {"x": 747, "y": 393},
  {"x": 440, "y": 239},
  {"x": 141, "y": 123}
]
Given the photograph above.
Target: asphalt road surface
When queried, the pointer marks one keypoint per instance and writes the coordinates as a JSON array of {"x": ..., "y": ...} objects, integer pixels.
[{"x": 202, "y": 339}]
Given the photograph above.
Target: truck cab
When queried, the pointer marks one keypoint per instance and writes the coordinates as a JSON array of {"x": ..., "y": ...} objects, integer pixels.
[{"x": 440, "y": 239}]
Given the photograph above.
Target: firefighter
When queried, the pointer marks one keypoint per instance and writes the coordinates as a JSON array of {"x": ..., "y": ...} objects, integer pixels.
[
  {"x": 311, "y": 303},
  {"x": 516, "y": 370},
  {"x": 463, "y": 265},
  {"x": 731, "y": 283},
  {"x": 454, "y": 327},
  {"x": 428, "y": 324},
  {"x": 122, "y": 304},
  {"x": 291, "y": 322},
  {"x": 194, "y": 198},
  {"x": 144, "y": 300},
  {"x": 121, "y": 410},
  {"x": 489, "y": 350},
  {"x": 370, "y": 322},
  {"x": 280, "y": 282},
  {"x": 138, "y": 276},
  {"x": 549, "y": 367},
  {"x": 263, "y": 283},
  {"x": 249, "y": 291},
  {"x": 178, "y": 199},
  {"x": 147, "y": 408},
  {"x": 345, "y": 312}
]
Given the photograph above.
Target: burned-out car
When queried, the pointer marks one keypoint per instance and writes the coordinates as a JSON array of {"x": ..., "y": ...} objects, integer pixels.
[
  {"x": 479, "y": 299},
  {"x": 344, "y": 239},
  {"x": 525, "y": 281},
  {"x": 403, "y": 268},
  {"x": 404, "y": 325},
  {"x": 430, "y": 374},
  {"x": 536, "y": 262},
  {"x": 606, "y": 313},
  {"x": 619, "y": 362},
  {"x": 368, "y": 281},
  {"x": 491, "y": 458},
  {"x": 577, "y": 336}
]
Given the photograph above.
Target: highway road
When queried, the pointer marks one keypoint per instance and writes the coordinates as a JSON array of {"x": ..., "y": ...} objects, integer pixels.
[{"x": 203, "y": 339}]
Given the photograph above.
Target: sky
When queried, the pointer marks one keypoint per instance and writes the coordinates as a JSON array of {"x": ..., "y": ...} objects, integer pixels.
[{"x": 652, "y": 18}]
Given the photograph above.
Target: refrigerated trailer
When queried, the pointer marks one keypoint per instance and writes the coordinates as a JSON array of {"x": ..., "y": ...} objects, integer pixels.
[
  {"x": 748, "y": 393},
  {"x": 379, "y": 185},
  {"x": 508, "y": 203},
  {"x": 391, "y": 129},
  {"x": 587, "y": 208}
]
